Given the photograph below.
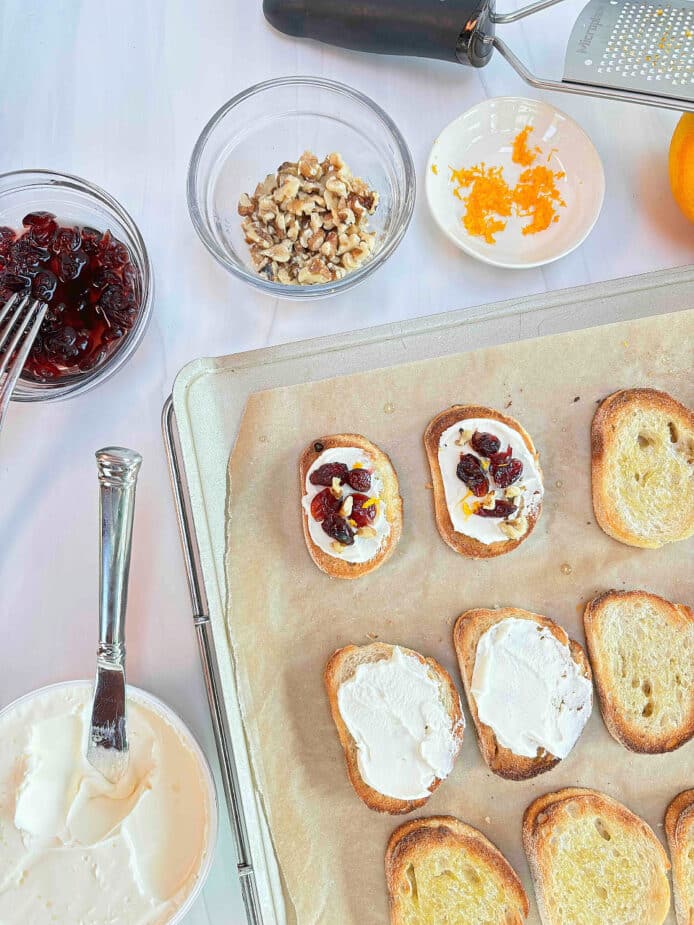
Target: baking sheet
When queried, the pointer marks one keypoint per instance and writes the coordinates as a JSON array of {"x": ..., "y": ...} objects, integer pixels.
[{"x": 286, "y": 617}]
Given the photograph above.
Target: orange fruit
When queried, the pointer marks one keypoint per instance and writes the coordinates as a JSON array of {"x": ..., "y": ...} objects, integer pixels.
[{"x": 681, "y": 165}]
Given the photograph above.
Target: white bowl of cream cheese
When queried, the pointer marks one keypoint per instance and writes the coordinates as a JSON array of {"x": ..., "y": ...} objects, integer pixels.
[{"x": 73, "y": 846}]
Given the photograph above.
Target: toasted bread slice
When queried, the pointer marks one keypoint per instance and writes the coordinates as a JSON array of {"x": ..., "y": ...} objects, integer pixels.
[
  {"x": 467, "y": 632},
  {"x": 642, "y": 452},
  {"x": 594, "y": 862},
  {"x": 641, "y": 648},
  {"x": 679, "y": 828},
  {"x": 441, "y": 870},
  {"x": 462, "y": 543},
  {"x": 342, "y": 666},
  {"x": 333, "y": 565}
]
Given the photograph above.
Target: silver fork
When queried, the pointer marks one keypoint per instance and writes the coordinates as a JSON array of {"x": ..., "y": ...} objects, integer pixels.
[{"x": 17, "y": 334}]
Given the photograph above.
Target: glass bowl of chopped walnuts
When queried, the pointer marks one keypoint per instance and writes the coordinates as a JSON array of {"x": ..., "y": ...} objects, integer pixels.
[{"x": 301, "y": 186}]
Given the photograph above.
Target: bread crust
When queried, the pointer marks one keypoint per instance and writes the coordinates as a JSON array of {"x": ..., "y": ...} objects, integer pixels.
[
  {"x": 679, "y": 829},
  {"x": 605, "y": 421},
  {"x": 414, "y": 838},
  {"x": 341, "y": 666},
  {"x": 616, "y": 723},
  {"x": 540, "y": 818},
  {"x": 466, "y": 545},
  {"x": 467, "y": 632},
  {"x": 331, "y": 565}
]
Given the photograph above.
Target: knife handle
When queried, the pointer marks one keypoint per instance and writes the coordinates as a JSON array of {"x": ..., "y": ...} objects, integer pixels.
[
  {"x": 423, "y": 28},
  {"x": 118, "y": 469}
]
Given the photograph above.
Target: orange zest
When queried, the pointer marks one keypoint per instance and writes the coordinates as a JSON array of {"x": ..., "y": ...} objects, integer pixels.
[
  {"x": 490, "y": 201},
  {"x": 536, "y": 196},
  {"x": 521, "y": 153}
]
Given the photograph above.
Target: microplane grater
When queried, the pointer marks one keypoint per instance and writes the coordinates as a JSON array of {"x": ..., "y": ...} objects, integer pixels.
[
  {"x": 634, "y": 45},
  {"x": 633, "y": 51}
]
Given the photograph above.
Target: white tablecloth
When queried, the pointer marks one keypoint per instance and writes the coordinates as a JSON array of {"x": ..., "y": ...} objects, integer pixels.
[{"x": 117, "y": 93}]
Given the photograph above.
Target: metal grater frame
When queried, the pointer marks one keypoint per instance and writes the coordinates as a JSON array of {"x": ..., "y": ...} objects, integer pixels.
[
  {"x": 632, "y": 51},
  {"x": 638, "y": 45}
]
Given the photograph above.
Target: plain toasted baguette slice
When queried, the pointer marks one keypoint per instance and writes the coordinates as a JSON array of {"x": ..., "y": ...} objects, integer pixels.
[
  {"x": 594, "y": 862},
  {"x": 679, "y": 828},
  {"x": 479, "y": 883},
  {"x": 467, "y": 545},
  {"x": 642, "y": 453},
  {"x": 332, "y": 565},
  {"x": 467, "y": 632},
  {"x": 340, "y": 668},
  {"x": 641, "y": 648}
]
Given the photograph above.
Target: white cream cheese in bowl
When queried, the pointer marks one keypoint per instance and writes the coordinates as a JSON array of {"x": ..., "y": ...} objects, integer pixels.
[
  {"x": 364, "y": 547},
  {"x": 75, "y": 848},
  {"x": 529, "y": 690},
  {"x": 461, "y": 502},
  {"x": 404, "y": 734}
]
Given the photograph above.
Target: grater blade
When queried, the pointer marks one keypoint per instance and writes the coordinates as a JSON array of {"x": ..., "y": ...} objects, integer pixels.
[{"x": 634, "y": 45}]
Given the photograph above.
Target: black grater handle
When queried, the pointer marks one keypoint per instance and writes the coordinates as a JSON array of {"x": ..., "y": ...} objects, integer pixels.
[{"x": 423, "y": 28}]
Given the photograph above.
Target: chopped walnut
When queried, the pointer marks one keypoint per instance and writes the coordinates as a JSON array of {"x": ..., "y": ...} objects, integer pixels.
[
  {"x": 515, "y": 529},
  {"x": 308, "y": 222},
  {"x": 464, "y": 436}
]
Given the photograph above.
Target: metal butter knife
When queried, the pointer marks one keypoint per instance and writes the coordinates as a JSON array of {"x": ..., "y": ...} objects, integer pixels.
[{"x": 107, "y": 750}]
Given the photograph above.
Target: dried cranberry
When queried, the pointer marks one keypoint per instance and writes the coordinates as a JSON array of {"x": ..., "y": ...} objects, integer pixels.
[
  {"x": 61, "y": 344},
  {"x": 27, "y": 255},
  {"x": 44, "y": 285},
  {"x": 112, "y": 299},
  {"x": 325, "y": 474},
  {"x": 485, "y": 444},
  {"x": 471, "y": 473},
  {"x": 104, "y": 277},
  {"x": 122, "y": 319},
  {"x": 66, "y": 239},
  {"x": 91, "y": 238},
  {"x": 324, "y": 503},
  {"x": 71, "y": 265},
  {"x": 338, "y": 528},
  {"x": 359, "y": 479},
  {"x": 363, "y": 516},
  {"x": 44, "y": 234},
  {"x": 502, "y": 508},
  {"x": 38, "y": 219},
  {"x": 115, "y": 255},
  {"x": 7, "y": 238},
  {"x": 505, "y": 468},
  {"x": 14, "y": 282},
  {"x": 129, "y": 274},
  {"x": 53, "y": 318}
]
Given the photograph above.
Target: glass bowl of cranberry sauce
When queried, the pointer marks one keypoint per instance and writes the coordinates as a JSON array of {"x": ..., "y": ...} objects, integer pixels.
[{"x": 69, "y": 243}]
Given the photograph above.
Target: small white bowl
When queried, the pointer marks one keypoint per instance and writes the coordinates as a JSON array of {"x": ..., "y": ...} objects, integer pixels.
[
  {"x": 149, "y": 701},
  {"x": 484, "y": 134}
]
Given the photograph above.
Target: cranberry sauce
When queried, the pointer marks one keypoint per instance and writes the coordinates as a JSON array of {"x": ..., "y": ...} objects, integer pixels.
[{"x": 90, "y": 284}]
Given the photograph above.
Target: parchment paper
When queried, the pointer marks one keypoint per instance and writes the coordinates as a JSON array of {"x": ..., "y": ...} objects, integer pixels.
[{"x": 285, "y": 617}]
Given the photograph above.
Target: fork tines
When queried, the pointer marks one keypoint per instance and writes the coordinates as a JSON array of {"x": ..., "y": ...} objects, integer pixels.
[{"x": 20, "y": 320}]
